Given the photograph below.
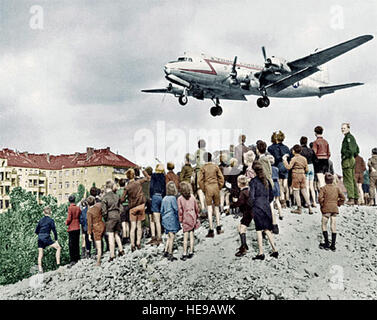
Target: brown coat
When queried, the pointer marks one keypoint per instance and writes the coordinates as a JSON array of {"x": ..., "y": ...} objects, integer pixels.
[
  {"x": 95, "y": 222},
  {"x": 360, "y": 166},
  {"x": 171, "y": 176},
  {"x": 298, "y": 164},
  {"x": 135, "y": 193},
  {"x": 210, "y": 174},
  {"x": 330, "y": 197},
  {"x": 186, "y": 173}
]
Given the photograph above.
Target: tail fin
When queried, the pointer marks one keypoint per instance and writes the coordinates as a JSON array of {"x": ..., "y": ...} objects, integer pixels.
[{"x": 332, "y": 89}]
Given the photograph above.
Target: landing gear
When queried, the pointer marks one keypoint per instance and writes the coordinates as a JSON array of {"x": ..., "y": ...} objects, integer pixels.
[
  {"x": 216, "y": 110},
  {"x": 183, "y": 100},
  {"x": 263, "y": 102}
]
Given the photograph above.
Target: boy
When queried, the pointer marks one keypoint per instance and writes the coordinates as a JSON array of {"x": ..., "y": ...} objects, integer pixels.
[
  {"x": 330, "y": 198},
  {"x": 299, "y": 167},
  {"x": 44, "y": 227}
]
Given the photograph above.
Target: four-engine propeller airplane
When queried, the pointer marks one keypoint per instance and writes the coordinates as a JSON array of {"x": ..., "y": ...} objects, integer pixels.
[{"x": 207, "y": 77}]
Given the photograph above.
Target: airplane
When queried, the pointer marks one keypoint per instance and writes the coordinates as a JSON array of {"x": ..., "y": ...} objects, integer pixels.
[{"x": 207, "y": 77}]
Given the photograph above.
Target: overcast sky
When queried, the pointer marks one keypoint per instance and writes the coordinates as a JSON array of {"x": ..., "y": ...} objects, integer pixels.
[{"x": 76, "y": 82}]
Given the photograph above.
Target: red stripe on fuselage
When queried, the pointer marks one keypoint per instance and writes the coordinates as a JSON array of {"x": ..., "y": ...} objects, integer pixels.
[{"x": 213, "y": 71}]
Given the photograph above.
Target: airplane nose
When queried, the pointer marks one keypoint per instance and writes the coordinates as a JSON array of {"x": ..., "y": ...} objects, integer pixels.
[{"x": 167, "y": 70}]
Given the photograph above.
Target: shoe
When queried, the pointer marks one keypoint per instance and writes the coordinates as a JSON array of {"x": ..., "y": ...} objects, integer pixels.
[
  {"x": 350, "y": 202},
  {"x": 310, "y": 211},
  {"x": 133, "y": 248},
  {"x": 274, "y": 254},
  {"x": 210, "y": 234},
  {"x": 332, "y": 248},
  {"x": 121, "y": 253},
  {"x": 241, "y": 252},
  {"x": 184, "y": 258},
  {"x": 275, "y": 229},
  {"x": 219, "y": 231},
  {"x": 259, "y": 257},
  {"x": 227, "y": 212},
  {"x": 298, "y": 210},
  {"x": 138, "y": 246},
  {"x": 190, "y": 255},
  {"x": 280, "y": 217},
  {"x": 111, "y": 259},
  {"x": 152, "y": 241},
  {"x": 324, "y": 246},
  {"x": 165, "y": 254},
  {"x": 171, "y": 257},
  {"x": 314, "y": 205},
  {"x": 158, "y": 241}
]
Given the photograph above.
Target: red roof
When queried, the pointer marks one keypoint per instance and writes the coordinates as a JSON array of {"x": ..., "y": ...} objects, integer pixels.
[{"x": 92, "y": 157}]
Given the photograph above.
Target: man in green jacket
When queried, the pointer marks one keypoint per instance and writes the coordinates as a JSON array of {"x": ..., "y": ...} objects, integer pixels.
[{"x": 349, "y": 151}]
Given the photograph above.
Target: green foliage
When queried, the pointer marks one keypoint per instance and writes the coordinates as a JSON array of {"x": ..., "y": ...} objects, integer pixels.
[{"x": 18, "y": 241}]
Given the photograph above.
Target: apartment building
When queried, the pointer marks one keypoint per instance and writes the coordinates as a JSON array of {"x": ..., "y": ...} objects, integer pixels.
[{"x": 59, "y": 176}]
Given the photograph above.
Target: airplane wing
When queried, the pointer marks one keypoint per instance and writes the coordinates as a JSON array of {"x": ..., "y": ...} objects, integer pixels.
[
  {"x": 306, "y": 66},
  {"x": 331, "y": 89},
  {"x": 165, "y": 90},
  {"x": 323, "y": 56}
]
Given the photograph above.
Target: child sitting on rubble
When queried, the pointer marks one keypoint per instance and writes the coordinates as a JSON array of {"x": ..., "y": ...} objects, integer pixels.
[{"x": 330, "y": 198}]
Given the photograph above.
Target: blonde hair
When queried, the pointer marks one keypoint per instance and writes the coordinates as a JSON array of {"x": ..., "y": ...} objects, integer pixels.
[
  {"x": 242, "y": 180},
  {"x": 130, "y": 174},
  {"x": 249, "y": 158},
  {"x": 110, "y": 184},
  {"x": 233, "y": 162},
  {"x": 171, "y": 189},
  {"x": 159, "y": 168}
]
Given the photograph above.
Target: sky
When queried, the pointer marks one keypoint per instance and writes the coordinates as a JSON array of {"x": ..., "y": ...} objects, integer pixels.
[{"x": 72, "y": 71}]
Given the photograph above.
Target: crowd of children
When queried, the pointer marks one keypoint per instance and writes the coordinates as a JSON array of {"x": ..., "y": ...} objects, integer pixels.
[{"x": 255, "y": 181}]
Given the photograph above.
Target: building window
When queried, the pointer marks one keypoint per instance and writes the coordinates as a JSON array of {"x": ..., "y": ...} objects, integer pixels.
[
  {"x": 54, "y": 179},
  {"x": 66, "y": 184},
  {"x": 66, "y": 196},
  {"x": 105, "y": 170},
  {"x": 50, "y": 186},
  {"x": 66, "y": 173},
  {"x": 60, "y": 174},
  {"x": 99, "y": 169},
  {"x": 6, "y": 204},
  {"x": 78, "y": 172},
  {"x": 60, "y": 185},
  {"x": 1, "y": 204},
  {"x": 86, "y": 170}
]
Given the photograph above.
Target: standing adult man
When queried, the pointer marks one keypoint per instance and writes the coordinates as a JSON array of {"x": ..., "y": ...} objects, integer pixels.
[
  {"x": 349, "y": 151},
  {"x": 199, "y": 159},
  {"x": 240, "y": 150},
  {"x": 322, "y": 151},
  {"x": 211, "y": 180},
  {"x": 372, "y": 164}
]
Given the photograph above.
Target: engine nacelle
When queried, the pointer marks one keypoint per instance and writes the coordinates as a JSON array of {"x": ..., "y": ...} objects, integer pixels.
[{"x": 277, "y": 64}]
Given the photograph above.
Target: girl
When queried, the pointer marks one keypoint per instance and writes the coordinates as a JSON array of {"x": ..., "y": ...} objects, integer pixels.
[
  {"x": 169, "y": 218},
  {"x": 247, "y": 215},
  {"x": 44, "y": 227},
  {"x": 96, "y": 226},
  {"x": 188, "y": 212},
  {"x": 330, "y": 198},
  {"x": 249, "y": 158},
  {"x": 260, "y": 197}
]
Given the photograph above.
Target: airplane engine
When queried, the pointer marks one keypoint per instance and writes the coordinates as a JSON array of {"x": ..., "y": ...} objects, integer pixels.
[
  {"x": 243, "y": 78},
  {"x": 278, "y": 64}
]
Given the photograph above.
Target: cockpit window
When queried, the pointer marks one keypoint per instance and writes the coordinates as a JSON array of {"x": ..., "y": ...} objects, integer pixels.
[{"x": 182, "y": 59}]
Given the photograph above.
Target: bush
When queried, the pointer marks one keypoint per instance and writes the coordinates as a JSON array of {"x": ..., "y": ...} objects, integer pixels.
[{"x": 18, "y": 241}]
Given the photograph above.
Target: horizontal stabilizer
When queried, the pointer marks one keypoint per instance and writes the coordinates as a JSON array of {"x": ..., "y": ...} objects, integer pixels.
[{"x": 332, "y": 89}]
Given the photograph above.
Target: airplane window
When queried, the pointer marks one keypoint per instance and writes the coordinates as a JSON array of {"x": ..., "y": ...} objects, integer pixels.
[
  {"x": 182, "y": 59},
  {"x": 189, "y": 59}
]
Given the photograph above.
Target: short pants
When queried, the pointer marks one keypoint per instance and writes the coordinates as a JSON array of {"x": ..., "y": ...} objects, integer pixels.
[
  {"x": 247, "y": 217},
  {"x": 156, "y": 203},
  {"x": 322, "y": 166},
  {"x": 45, "y": 242},
  {"x": 138, "y": 213},
  {"x": 125, "y": 214},
  {"x": 212, "y": 195},
  {"x": 328, "y": 215},
  {"x": 113, "y": 225},
  {"x": 283, "y": 172},
  {"x": 298, "y": 181}
]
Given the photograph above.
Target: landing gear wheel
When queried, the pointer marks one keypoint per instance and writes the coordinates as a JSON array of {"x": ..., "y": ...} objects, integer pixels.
[
  {"x": 219, "y": 110},
  {"x": 182, "y": 100},
  {"x": 213, "y": 111},
  {"x": 263, "y": 102}
]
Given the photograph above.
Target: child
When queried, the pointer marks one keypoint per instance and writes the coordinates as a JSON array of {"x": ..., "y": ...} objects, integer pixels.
[
  {"x": 188, "y": 212},
  {"x": 299, "y": 166},
  {"x": 171, "y": 176},
  {"x": 249, "y": 158},
  {"x": 330, "y": 198},
  {"x": 247, "y": 215},
  {"x": 276, "y": 187},
  {"x": 44, "y": 227},
  {"x": 169, "y": 218},
  {"x": 260, "y": 197},
  {"x": 96, "y": 226}
]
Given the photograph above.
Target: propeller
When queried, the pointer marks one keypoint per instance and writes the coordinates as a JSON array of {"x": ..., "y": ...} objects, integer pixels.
[{"x": 233, "y": 73}]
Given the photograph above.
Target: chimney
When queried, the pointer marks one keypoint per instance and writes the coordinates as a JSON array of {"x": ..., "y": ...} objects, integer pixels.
[
  {"x": 48, "y": 157},
  {"x": 89, "y": 152}
]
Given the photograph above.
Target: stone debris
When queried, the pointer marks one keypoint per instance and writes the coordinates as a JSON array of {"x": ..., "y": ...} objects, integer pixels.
[{"x": 303, "y": 271}]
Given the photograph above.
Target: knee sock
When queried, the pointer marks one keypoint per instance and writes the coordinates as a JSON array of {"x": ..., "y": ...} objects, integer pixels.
[
  {"x": 333, "y": 239},
  {"x": 326, "y": 237},
  {"x": 243, "y": 240}
]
